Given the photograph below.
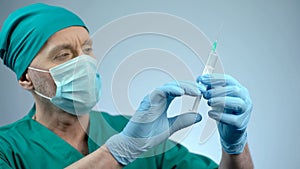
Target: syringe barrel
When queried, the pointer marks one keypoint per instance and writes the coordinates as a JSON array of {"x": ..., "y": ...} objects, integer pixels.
[
  {"x": 208, "y": 69},
  {"x": 210, "y": 63}
]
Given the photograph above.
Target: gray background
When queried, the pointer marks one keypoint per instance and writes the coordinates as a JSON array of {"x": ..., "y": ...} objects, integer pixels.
[{"x": 258, "y": 46}]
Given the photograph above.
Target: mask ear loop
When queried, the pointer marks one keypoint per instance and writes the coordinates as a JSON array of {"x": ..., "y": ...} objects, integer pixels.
[
  {"x": 39, "y": 70},
  {"x": 40, "y": 94}
]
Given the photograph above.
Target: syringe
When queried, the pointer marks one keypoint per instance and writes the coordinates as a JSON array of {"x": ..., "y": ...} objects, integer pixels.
[{"x": 208, "y": 69}]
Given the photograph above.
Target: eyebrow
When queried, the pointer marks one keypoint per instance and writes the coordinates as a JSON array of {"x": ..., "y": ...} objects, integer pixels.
[{"x": 87, "y": 42}]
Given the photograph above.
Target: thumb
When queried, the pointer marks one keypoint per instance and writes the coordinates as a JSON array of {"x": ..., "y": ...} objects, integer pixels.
[{"x": 184, "y": 120}]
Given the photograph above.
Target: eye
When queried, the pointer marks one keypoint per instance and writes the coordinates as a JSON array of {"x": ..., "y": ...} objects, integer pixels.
[
  {"x": 87, "y": 49},
  {"x": 62, "y": 56}
]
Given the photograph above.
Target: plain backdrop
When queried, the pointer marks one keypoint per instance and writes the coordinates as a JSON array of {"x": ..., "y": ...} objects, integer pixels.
[{"x": 258, "y": 46}]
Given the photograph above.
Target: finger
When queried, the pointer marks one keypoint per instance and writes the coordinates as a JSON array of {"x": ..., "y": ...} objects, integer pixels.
[
  {"x": 171, "y": 90},
  {"x": 213, "y": 80},
  {"x": 238, "y": 121},
  {"x": 191, "y": 88},
  {"x": 150, "y": 110},
  {"x": 235, "y": 104},
  {"x": 188, "y": 87},
  {"x": 233, "y": 91},
  {"x": 184, "y": 120}
]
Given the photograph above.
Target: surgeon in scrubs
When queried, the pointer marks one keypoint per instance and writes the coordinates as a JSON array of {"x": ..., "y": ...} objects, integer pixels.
[{"x": 50, "y": 50}]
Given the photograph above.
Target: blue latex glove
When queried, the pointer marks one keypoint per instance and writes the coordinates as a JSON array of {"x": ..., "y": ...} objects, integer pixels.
[
  {"x": 150, "y": 125},
  {"x": 231, "y": 107}
]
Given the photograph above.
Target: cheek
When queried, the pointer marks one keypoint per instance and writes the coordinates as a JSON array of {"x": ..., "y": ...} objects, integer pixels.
[{"x": 43, "y": 83}]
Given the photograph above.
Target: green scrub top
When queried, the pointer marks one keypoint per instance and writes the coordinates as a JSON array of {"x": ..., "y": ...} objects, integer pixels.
[{"x": 28, "y": 144}]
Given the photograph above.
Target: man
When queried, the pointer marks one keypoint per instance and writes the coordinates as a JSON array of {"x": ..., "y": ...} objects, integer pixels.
[{"x": 50, "y": 51}]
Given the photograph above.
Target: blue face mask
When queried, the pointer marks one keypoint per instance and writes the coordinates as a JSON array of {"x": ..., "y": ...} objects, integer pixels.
[{"x": 78, "y": 85}]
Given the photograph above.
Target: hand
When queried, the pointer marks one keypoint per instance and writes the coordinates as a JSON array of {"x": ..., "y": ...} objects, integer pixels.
[
  {"x": 231, "y": 107},
  {"x": 150, "y": 125}
]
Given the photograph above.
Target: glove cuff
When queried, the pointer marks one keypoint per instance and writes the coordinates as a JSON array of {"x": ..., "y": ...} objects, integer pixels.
[
  {"x": 236, "y": 148},
  {"x": 123, "y": 148}
]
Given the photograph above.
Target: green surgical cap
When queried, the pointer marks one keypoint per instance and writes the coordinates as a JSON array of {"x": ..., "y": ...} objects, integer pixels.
[{"x": 26, "y": 30}]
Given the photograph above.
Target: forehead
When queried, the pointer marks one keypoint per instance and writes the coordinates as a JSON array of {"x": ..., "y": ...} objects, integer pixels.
[{"x": 70, "y": 34}]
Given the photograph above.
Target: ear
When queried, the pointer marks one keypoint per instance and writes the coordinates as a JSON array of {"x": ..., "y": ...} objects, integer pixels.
[{"x": 26, "y": 82}]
